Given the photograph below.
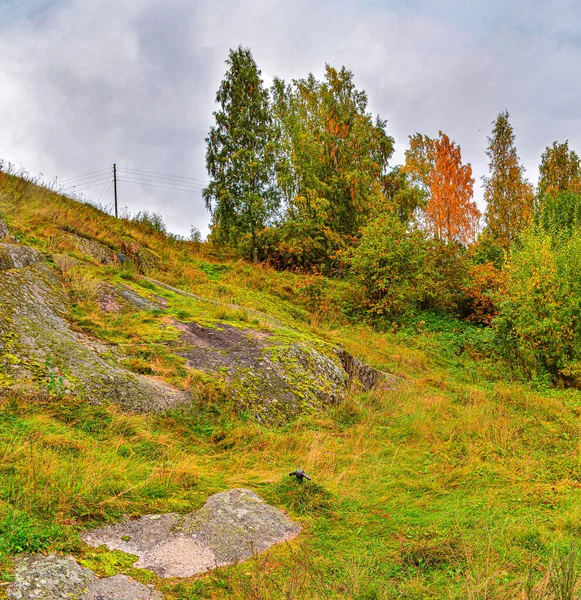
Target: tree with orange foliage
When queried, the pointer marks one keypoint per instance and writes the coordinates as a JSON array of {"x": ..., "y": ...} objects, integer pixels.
[
  {"x": 451, "y": 214},
  {"x": 509, "y": 196}
]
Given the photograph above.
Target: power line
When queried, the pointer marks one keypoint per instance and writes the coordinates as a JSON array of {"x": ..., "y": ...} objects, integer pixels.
[
  {"x": 86, "y": 187},
  {"x": 85, "y": 176},
  {"x": 102, "y": 195},
  {"x": 88, "y": 182},
  {"x": 91, "y": 182},
  {"x": 161, "y": 183},
  {"x": 165, "y": 176},
  {"x": 158, "y": 179},
  {"x": 179, "y": 189}
]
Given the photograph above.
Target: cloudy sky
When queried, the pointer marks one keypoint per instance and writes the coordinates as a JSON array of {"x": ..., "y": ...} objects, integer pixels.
[{"x": 85, "y": 83}]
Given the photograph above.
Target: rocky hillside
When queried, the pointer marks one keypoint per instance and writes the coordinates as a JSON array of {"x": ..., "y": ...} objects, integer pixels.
[
  {"x": 272, "y": 371},
  {"x": 155, "y": 395}
]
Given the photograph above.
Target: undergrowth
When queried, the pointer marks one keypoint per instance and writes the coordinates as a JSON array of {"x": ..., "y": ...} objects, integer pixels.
[{"x": 463, "y": 484}]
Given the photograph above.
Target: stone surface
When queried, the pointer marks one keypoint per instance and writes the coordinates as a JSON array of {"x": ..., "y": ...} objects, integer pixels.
[
  {"x": 119, "y": 297},
  {"x": 131, "y": 252},
  {"x": 4, "y": 231},
  {"x": 98, "y": 252},
  {"x": 273, "y": 379},
  {"x": 33, "y": 329},
  {"x": 231, "y": 527},
  {"x": 60, "y": 577},
  {"x": 144, "y": 259},
  {"x": 364, "y": 375},
  {"x": 17, "y": 257},
  {"x": 120, "y": 587}
]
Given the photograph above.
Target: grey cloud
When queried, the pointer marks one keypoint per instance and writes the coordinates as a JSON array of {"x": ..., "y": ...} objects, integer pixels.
[{"x": 84, "y": 84}]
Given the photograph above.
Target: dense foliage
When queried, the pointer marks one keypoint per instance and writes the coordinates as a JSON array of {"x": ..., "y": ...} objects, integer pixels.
[{"x": 407, "y": 237}]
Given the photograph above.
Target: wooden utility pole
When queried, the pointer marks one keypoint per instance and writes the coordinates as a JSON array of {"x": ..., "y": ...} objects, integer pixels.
[{"x": 115, "y": 187}]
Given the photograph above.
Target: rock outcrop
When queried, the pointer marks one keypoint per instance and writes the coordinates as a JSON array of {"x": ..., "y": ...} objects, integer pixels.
[
  {"x": 364, "y": 375},
  {"x": 272, "y": 372},
  {"x": 271, "y": 378},
  {"x": 60, "y": 577},
  {"x": 231, "y": 527},
  {"x": 35, "y": 338},
  {"x": 144, "y": 259},
  {"x": 4, "y": 231},
  {"x": 93, "y": 249}
]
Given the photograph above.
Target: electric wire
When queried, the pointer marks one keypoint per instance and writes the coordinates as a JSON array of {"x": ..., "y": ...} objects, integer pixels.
[
  {"x": 160, "y": 183},
  {"x": 87, "y": 183},
  {"x": 85, "y": 176},
  {"x": 102, "y": 195},
  {"x": 86, "y": 187},
  {"x": 157, "y": 185},
  {"x": 153, "y": 174}
]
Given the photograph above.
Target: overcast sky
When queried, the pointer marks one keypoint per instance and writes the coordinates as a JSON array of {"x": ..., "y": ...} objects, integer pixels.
[{"x": 85, "y": 83}]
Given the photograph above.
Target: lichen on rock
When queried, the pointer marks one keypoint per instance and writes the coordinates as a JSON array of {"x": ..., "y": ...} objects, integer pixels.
[
  {"x": 17, "y": 257},
  {"x": 364, "y": 375},
  {"x": 93, "y": 249},
  {"x": 275, "y": 380},
  {"x": 231, "y": 527},
  {"x": 33, "y": 331},
  {"x": 114, "y": 298},
  {"x": 60, "y": 577}
]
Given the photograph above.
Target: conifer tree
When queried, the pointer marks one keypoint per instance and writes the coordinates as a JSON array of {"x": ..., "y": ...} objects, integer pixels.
[
  {"x": 509, "y": 196},
  {"x": 239, "y": 157}
]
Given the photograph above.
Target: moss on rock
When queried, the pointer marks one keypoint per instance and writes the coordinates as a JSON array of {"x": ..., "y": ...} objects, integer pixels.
[
  {"x": 39, "y": 349},
  {"x": 61, "y": 578}
]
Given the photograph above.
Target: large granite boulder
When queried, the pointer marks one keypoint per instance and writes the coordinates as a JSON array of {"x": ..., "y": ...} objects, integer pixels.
[
  {"x": 35, "y": 338},
  {"x": 60, "y": 577},
  {"x": 231, "y": 527}
]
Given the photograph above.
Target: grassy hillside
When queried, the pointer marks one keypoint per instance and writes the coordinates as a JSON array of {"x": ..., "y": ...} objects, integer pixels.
[{"x": 462, "y": 484}]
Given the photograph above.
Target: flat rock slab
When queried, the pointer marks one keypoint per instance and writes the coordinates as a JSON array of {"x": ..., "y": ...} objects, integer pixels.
[
  {"x": 231, "y": 527},
  {"x": 59, "y": 577}
]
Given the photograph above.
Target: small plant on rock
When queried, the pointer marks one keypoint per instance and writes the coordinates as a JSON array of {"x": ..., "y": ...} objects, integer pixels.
[{"x": 54, "y": 380}]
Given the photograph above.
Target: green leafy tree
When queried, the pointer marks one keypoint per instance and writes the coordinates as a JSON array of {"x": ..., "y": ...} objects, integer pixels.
[
  {"x": 240, "y": 156},
  {"x": 509, "y": 196},
  {"x": 406, "y": 198},
  {"x": 539, "y": 322},
  {"x": 559, "y": 171},
  {"x": 390, "y": 266},
  {"x": 331, "y": 155},
  {"x": 400, "y": 269},
  {"x": 420, "y": 161},
  {"x": 559, "y": 211}
]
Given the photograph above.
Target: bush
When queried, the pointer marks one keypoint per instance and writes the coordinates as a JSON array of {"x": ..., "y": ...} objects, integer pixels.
[
  {"x": 390, "y": 265},
  {"x": 401, "y": 270},
  {"x": 152, "y": 220},
  {"x": 559, "y": 212},
  {"x": 539, "y": 322},
  {"x": 483, "y": 287},
  {"x": 300, "y": 245}
]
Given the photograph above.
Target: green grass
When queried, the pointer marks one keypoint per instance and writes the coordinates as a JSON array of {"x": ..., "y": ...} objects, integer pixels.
[{"x": 463, "y": 484}]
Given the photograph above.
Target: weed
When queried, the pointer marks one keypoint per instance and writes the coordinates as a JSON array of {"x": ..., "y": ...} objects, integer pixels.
[{"x": 55, "y": 385}]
